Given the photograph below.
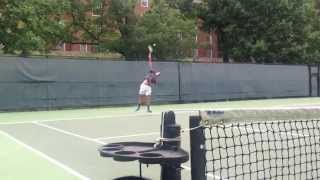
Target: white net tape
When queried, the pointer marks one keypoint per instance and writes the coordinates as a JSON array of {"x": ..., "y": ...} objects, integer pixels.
[{"x": 211, "y": 117}]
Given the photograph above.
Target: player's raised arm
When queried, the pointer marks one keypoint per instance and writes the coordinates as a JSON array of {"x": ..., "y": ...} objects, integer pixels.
[{"x": 150, "y": 57}]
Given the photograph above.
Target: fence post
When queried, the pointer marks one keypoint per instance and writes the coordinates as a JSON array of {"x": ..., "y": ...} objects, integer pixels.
[
  {"x": 179, "y": 82},
  {"x": 310, "y": 80},
  {"x": 314, "y": 80}
]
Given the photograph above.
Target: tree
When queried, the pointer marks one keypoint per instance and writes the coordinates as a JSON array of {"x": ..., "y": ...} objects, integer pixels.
[
  {"x": 31, "y": 25},
  {"x": 123, "y": 14},
  {"x": 185, "y": 6},
  {"x": 312, "y": 30},
  {"x": 261, "y": 31},
  {"x": 169, "y": 30},
  {"x": 90, "y": 21}
]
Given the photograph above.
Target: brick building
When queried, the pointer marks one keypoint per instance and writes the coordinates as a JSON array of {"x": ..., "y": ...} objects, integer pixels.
[
  {"x": 208, "y": 49},
  {"x": 207, "y": 43}
]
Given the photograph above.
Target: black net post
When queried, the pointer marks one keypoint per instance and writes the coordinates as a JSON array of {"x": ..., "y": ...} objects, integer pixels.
[
  {"x": 170, "y": 131},
  {"x": 197, "y": 149}
]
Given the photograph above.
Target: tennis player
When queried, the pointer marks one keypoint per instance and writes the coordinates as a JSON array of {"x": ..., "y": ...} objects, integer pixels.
[{"x": 145, "y": 89}]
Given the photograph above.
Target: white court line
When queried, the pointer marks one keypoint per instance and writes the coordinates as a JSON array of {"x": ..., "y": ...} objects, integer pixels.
[
  {"x": 67, "y": 132},
  {"x": 100, "y": 142},
  {"x": 96, "y": 140},
  {"x": 53, "y": 161},
  {"x": 80, "y": 118},
  {"x": 208, "y": 174},
  {"x": 90, "y": 118},
  {"x": 177, "y": 111},
  {"x": 14, "y": 123},
  {"x": 128, "y": 136}
]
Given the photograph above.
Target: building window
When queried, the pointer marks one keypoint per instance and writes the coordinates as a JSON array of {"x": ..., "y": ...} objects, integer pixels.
[
  {"x": 83, "y": 48},
  {"x": 197, "y": 1},
  {"x": 96, "y": 8},
  {"x": 145, "y": 3},
  {"x": 180, "y": 35},
  {"x": 68, "y": 47}
]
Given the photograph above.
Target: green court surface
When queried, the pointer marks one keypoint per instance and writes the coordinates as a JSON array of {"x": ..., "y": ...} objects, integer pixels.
[{"x": 63, "y": 144}]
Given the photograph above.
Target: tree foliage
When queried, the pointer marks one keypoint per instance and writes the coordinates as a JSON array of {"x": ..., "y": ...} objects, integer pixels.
[
  {"x": 280, "y": 31},
  {"x": 185, "y": 6},
  {"x": 169, "y": 30},
  {"x": 263, "y": 31},
  {"x": 90, "y": 21},
  {"x": 28, "y": 25}
]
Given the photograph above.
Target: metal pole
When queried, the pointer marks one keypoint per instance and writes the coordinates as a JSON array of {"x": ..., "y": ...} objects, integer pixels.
[
  {"x": 211, "y": 45},
  {"x": 318, "y": 81},
  {"x": 170, "y": 131},
  {"x": 197, "y": 150},
  {"x": 140, "y": 170},
  {"x": 310, "y": 80},
  {"x": 179, "y": 82}
]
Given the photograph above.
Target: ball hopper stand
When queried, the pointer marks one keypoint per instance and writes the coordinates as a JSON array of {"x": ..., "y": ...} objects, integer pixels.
[{"x": 167, "y": 152}]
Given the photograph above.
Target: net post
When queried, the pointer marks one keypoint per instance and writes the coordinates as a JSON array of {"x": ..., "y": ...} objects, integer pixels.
[
  {"x": 169, "y": 129},
  {"x": 197, "y": 149}
]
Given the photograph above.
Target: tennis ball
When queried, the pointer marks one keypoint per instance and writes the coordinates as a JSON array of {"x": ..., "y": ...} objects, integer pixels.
[{"x": 154, "y": 44}]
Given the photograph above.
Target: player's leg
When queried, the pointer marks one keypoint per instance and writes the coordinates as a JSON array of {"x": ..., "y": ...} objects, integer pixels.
[
  {"x": 148, "y": 98},
  {"x": 140, "y": 102},
  {"x": 142, "y": 91},
  {"x": 148, "y": 102}
]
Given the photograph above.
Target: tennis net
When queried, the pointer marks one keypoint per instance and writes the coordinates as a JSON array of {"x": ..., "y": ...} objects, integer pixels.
[{"x": 256, "y": 144}]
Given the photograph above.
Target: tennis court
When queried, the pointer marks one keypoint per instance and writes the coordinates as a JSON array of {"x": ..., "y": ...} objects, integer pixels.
[{"x": 63, "y": 144}]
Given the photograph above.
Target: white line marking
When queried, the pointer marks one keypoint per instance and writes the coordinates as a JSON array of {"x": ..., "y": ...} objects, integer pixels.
[
  {"x": 178, "y": 111},
  {"x": 127, "y": 136},
  {"x": 96, "y": 140},
  {"x": 88, "y": 118},
  {"x": 80, "y": 118},
  {"x": 208, "y": 174},
  {"x": 68, "y": 133},
  {"x": 53, "y": 161},
  {"x": 14, "y": 123}
]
